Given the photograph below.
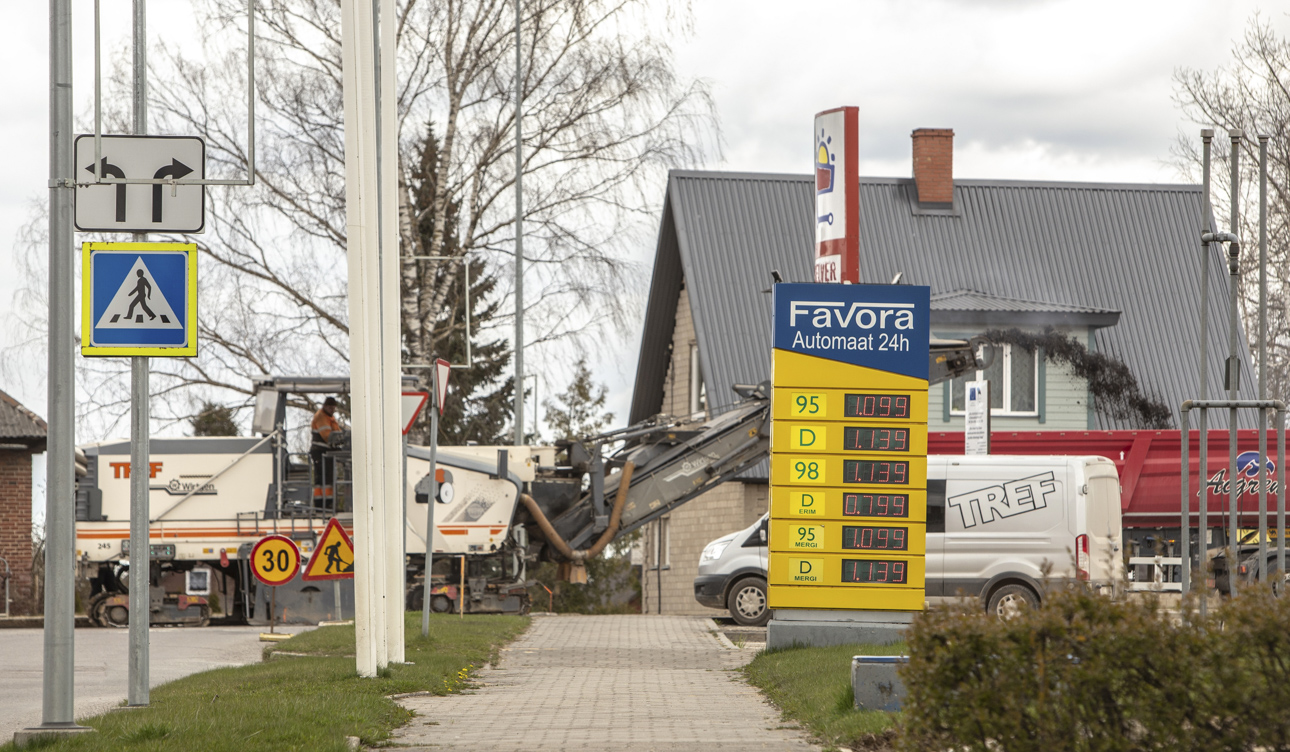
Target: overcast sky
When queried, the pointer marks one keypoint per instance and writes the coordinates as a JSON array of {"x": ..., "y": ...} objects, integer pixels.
[{"x": 1061, "y": 90}]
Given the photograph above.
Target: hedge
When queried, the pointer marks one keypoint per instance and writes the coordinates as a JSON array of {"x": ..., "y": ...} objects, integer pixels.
[{"x": 1084, "y": 672}]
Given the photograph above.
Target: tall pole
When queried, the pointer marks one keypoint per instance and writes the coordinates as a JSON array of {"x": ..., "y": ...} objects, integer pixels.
[
  {"x": 1207, "y": 212},
  {"x": 1263, "y": 355},
  {"x": 519, "y": 238},
  {"x": 374, "y": 352},
  {"x": 434, "y": 492},
  {"x": 387, "y": 172},
  {"x": 60, "y": 592},
  {"x": 1233, "y": 374},
  {"x": 140, "y": 551}
]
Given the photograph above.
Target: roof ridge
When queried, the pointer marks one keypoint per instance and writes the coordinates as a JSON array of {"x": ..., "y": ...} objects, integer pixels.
[
  {"x": 963, "y": 290},
  {"x": 789, "y": 177}
]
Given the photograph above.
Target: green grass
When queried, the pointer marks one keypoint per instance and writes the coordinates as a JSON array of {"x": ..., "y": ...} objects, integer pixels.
[
  {"x": 301, "y": 703},
  {"x": 813, "y": 687}
]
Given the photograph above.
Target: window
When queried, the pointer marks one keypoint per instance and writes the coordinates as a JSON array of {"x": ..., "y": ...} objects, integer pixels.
[
  {"x": 1014, "y": 378},
  {"x": 698, "y": 392}
]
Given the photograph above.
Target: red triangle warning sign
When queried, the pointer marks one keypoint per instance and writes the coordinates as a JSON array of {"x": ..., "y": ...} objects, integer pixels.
[{"x": 333, "y": 557}]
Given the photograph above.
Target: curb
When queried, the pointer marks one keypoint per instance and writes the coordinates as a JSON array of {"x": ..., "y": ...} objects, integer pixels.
[{"x": 721, "y": 637}]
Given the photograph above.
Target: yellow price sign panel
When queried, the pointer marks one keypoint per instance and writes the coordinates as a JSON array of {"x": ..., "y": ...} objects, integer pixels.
[
  {"x": 795, "y": 436},
  {"x": 842, "y": 471},
  {"x": 905, "y": 406},
  {"x": 275, "y": 560},
  {"x": 847, "y": 570},
  {"x": 869, "y": 537},
  {"x": 855, "y": 597},
  {"x": 903, "y": 505}
]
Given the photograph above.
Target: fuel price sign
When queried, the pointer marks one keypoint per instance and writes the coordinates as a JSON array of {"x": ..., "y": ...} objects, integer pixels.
[{"x": 849, "y": 447}]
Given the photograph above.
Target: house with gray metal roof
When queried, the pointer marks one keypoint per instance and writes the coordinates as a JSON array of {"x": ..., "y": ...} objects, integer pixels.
[
  {"x": 1115, "y": 267},
  {"x": 22, "y": 434}
]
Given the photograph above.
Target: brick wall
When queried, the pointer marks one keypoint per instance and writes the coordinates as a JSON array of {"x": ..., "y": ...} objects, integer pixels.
[
  {"x": 934, "y": 165},
  {"x": 15, "y": 525},
  {"x": 684, "y": 532}
]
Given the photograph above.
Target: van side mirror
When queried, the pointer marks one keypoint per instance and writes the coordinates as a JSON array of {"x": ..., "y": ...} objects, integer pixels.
[{"x": 762, "y": 533}]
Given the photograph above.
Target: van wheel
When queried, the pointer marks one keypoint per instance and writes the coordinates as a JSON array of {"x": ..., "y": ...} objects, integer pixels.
[
  {"x": 1009, "y": 600},
  {"x": 747, "y": 602}
]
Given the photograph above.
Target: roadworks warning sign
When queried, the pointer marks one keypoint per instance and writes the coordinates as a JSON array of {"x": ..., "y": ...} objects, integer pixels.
[{"x": 333, "y": 557}]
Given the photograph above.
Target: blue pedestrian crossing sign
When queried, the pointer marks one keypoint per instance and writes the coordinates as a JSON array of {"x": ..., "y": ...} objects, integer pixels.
[{"x": 139, "y": 299}]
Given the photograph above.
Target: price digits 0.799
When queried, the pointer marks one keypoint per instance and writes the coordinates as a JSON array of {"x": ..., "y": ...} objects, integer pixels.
[
  {"x": 884, "y": 571},
  {"x": 875, "y": 538},
  {"x": 875, "y": 505},
  {"x": 876, "y": 406},
  {"x": 873, "y": 439},
  {"x": 878, "y": 472}
]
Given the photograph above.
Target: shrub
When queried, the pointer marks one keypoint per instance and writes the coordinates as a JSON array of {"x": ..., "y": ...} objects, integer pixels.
[{"x": 1087, "y": 673}]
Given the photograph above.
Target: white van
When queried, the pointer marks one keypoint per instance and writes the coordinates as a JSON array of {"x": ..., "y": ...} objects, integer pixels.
[{"x": 993, "y": 523}]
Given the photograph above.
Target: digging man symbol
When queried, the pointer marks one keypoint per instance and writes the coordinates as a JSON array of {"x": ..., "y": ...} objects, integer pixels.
[
  {"x": 334, "y": 558},
  {"x": 141, "y": 292}
]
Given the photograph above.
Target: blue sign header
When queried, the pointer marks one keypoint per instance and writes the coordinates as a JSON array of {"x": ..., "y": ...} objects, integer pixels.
[{"x": 884, "y": 327}]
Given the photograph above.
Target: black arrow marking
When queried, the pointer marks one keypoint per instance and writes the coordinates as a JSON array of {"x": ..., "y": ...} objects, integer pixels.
[
  {"x": 176, "y": 170},
  {"x": 107, "y": 169}
]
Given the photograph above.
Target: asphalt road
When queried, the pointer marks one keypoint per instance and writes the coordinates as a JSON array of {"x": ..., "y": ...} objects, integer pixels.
[{"x": 101, "y": 677}]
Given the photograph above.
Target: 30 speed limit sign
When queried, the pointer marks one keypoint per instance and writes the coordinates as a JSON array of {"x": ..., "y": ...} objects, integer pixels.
[{"x": 275, "y": 560}]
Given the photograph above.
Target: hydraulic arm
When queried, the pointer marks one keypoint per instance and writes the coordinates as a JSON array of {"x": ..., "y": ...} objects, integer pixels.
[{"x": 664, "y": 462}]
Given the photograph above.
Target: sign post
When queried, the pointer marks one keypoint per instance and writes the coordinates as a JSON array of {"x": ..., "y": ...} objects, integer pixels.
[
  {"x": 848, "y": 468},
  {"x": 439, "y": 388},
  {"x": 275, "y": 560},
  {"x": 976, "y": 417}
]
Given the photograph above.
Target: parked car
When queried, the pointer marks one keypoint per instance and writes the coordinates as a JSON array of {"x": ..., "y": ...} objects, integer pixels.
[
  {"x": 732, "y": 574},
  {"x": 994, "y": 524}
]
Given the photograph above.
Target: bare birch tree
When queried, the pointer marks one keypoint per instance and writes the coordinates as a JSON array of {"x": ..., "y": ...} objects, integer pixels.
[
  {"x": 1251, "y": 93},
  {"x": 604, "y": 116}
]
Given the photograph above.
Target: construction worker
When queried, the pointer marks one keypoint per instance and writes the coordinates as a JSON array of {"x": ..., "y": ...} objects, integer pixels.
[{"x": 321, "y": 430}]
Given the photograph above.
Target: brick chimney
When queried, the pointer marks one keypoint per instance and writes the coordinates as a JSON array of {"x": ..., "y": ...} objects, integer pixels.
[{"x": 934, "y": 165}]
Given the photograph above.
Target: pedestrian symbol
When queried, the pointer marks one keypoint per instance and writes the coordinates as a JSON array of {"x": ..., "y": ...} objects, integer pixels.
[
  {"x": 137, "y": 303},
  {"x": 333, "y": 557},
  {"x": 139, "y": 299}
]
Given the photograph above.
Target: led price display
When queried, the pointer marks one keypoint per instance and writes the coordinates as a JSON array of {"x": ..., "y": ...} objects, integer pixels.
[
  {"x": 873, "y": 439},
  {"x": 876, "y": 406},
  {"x": 878, "y": 472},
  {"x": 875, "y": 505},
  {"x": 875, "y": 538},
  {"x": 884, "y": 571}
]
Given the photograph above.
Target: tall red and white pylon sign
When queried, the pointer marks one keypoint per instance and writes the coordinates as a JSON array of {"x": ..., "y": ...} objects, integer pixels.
[
  {"x": 371, "y": 203},
  {"x": 837, "y": 200}
]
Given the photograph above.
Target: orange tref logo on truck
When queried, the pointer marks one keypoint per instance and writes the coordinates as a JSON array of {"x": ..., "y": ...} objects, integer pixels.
[{"x": 122, "y": 469}]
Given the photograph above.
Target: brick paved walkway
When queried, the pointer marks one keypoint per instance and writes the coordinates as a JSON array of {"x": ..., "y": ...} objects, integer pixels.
[{"x": 606, "y": 683}]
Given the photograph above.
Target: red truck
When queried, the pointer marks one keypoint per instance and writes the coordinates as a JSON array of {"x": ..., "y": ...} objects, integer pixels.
[{"x": 1149, "y": 463}]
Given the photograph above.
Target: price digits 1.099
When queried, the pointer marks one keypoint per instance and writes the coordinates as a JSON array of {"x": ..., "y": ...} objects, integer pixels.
[
  {"x": 876, "y": 406},
  {"x": 860, "y": 538}
]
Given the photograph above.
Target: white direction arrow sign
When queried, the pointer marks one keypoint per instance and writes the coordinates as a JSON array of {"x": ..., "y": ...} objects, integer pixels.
[{"x": 119, "y": 207}]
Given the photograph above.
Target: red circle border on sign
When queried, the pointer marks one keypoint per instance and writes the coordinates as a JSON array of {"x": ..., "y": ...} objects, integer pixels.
[{"x": 275, "y": 537}]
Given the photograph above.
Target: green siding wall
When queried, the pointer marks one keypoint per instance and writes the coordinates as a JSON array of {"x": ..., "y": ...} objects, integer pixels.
[{"x": 1065, "y": 395}]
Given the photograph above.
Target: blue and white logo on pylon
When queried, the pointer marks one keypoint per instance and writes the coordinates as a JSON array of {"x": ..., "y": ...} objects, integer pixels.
[{"x": 138, "y": 299}]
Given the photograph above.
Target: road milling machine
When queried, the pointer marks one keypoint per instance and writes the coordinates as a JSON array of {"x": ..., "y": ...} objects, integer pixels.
[{"x": 498, "y": 510}]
